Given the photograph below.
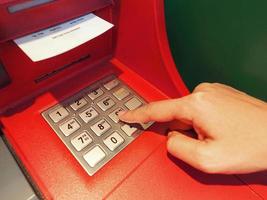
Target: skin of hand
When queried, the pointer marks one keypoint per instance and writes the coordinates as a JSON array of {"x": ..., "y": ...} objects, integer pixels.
[{"x": 231, "y": 128}]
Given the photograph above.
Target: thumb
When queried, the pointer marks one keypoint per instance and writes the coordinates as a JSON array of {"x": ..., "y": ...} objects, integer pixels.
[{"x": 185, "y": 148}]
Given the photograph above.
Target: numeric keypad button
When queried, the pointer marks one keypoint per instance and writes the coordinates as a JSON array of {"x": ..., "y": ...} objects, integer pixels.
[
  {"x": 81, "y": 141},
  {"x": 106, "y": 103},
  {"x": 94, "y": 156},
  {"x": 96, "y": 93},
  {"x": 79, "y": 103},
  {"x": 69, "y": 127},
  {"x": 129, "y": 130},
  {"x": 58, "y": 114},
  {"x": 100, "y": 127},
  {"x": 88, "y": 115},
  {"x": 114, "y": 115},
  {"x": 113, "y": 141},
  {"x": 111, "y": 84},
  {"x": 133, "y": 103},
  {"x": 121, "y": 93}
]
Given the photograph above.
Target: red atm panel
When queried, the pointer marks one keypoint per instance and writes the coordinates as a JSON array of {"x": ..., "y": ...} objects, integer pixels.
[{"x": 137, "y": 52}]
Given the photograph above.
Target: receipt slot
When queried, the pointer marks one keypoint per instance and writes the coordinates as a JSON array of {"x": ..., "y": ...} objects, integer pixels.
[{"x": 59, "y": 113}]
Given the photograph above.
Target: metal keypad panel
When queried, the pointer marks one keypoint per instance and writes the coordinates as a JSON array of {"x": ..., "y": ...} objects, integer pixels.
[{"x": 88, "y": 123}]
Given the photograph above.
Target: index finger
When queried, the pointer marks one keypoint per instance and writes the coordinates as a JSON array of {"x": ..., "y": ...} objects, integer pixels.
[{"x": 160, "y": 111}]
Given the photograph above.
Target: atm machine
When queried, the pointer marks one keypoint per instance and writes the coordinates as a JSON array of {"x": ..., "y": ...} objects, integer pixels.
[{"x": 59, "y": 114}]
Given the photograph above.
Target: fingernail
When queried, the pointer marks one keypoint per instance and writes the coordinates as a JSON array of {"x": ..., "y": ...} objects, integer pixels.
[
  {"x": 121, "y": 113},
  {"x": 170, "y": 134}
]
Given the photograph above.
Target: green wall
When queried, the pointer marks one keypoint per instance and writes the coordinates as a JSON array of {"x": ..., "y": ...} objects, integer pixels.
[{"x": 220, "y": 41}]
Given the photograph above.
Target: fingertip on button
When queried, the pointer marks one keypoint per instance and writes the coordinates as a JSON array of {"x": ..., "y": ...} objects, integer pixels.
[
  {"x": 121, "y": 113},
  {"x": 123, "y": 117}
]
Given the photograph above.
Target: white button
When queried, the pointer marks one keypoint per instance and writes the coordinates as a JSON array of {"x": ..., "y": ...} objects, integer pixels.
[
  {"x": 95, "y": 94},
  {"x": 121, "y": 93},
  {"x": 88, "y": 115},
  {"x": 106, "y": 103},
  {"x": 100, "y": 127},
  {"x": 94, "y": 156},
  {"x": 114, "y": 115},
  {"x": 146, "y": 125},
  {"x": 78, "y": 104},
  {"x": 128, "y": 129},
  {"x": 111, "y": 84},
  {"x": 81, "y": 141},
  {"x": 69, "y": 127},
  {"x": 133, "y": 103},
  {"x": 113, "y": 141},
  {"x": 58, "y": 114}
]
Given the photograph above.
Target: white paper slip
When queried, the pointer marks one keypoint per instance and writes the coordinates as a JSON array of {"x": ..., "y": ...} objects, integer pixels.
[{"x": 63, "y": 37}]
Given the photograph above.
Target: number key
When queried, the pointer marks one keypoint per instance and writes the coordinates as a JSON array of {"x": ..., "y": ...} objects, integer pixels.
[
  {"x": 58, "y": 114},
  {"x": 88, "y": 115},
  {"x": 100, "y": 127},
  {"x": 69, "y": 127},
  {"x": 114, "y": 115},
  {"x": 81, "y": 141},
  {"x": 96, "y": 93},
  {"x": 106, "y": 103},
  {"x": 79, "y": 103},
  {"x": 113, "y": 141}
]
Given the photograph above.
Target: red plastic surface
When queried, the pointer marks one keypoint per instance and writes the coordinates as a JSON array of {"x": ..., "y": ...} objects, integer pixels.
[
  {"x": 160, "y": 178},
  {"x": 142, "y": 45},
  {"x": 143, "y": 170}
]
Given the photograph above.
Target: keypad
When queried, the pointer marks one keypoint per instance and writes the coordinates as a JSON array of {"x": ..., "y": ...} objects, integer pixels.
[{"x": 88, "y": 123}]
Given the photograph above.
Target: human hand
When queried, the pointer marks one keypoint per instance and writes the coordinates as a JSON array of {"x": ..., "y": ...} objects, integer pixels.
[{"x": 231, "y": 128}]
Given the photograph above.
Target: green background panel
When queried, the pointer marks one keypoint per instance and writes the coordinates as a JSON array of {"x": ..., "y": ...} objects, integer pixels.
[{"x": 220, "y": 41}]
